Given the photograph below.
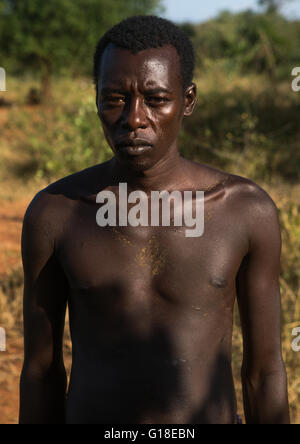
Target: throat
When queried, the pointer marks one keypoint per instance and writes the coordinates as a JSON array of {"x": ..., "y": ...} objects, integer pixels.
[{"x": 167, "y": 174}]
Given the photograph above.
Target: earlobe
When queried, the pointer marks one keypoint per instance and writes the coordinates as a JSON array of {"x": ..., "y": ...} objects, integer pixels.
[{"x": 190, "y": 99}]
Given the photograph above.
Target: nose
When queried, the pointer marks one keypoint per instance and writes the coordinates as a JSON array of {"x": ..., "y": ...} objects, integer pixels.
[{"x": 134, "y": 116}]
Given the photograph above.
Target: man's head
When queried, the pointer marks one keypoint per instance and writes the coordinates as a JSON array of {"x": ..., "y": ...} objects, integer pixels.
[{"x": 143, "y": 71}]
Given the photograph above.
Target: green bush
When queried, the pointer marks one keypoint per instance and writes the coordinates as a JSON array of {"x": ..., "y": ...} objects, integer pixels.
[
  {"x": 250, "y": 42},
  {"x": 64, "y": 142},
  {"x": 246, "y": 125}
]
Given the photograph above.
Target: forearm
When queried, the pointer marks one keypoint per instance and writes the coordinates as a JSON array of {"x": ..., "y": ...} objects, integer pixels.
[
  {"x": 265, "y": 397},
  {"x": 42, "y": 399}
]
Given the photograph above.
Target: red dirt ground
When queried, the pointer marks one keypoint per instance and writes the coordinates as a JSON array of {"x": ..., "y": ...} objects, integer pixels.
[{"x": 11, "y": 216}]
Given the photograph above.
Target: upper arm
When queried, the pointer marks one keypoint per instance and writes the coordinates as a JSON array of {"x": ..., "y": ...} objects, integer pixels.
[
  {"x": 45, "y": 290},
  {"x": 258, "y": 290}
]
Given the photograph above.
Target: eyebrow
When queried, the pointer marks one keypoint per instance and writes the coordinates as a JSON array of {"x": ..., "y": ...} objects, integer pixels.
[
  {"x": 157, "y": 90},
  {"x": 108, "y": 90}
]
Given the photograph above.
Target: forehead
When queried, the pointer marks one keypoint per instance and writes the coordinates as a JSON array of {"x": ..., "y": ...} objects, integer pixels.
[{"x": 150, "y": 67}]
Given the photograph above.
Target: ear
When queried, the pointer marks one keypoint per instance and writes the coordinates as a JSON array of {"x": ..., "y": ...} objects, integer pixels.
[{"x": 190, "y": 98}]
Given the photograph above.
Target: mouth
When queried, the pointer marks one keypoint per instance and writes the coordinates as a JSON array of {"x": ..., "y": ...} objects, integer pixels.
[
  {"x": 135, "y": 150},
  {"x": 134, "y": 147}
]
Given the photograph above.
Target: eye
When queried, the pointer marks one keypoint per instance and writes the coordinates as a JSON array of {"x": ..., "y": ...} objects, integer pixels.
[
  {"x": 157, "y": 100},
  {"x": 116, "y": 100}
]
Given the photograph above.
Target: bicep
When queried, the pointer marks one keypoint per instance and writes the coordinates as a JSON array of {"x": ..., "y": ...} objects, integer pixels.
[
  {"x": 45, "y": 295},
  {"x": 258, "y": 291}
]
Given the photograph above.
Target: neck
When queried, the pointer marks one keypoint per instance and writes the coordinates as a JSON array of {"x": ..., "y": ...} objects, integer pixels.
[{"x": 167, "y": 174}]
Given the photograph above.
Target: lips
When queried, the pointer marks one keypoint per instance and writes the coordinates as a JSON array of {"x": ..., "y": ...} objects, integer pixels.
[
  {"x": 133, "y": 147},
  {"x": 133, "y": 142}
]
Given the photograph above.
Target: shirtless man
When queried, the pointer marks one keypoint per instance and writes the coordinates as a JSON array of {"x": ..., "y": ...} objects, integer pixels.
[{"x": 151, "y": 310}]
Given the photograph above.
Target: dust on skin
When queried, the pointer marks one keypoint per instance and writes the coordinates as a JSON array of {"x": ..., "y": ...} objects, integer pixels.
[
  {"x": 212, "y": 187},
  {"x": 122, "y": 237},
  {"x": 149, "y": 256},
  {"x": 152, "y": 256}
]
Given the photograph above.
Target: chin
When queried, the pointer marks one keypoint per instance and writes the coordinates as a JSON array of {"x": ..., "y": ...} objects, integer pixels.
[{"x": 137, "y": 163}]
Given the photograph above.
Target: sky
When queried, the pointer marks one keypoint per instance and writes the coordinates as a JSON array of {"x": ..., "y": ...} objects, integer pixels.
[{"x": 202, "y": 10}]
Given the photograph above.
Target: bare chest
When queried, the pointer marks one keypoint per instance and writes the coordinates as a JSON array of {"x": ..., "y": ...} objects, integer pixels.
[{"x": 154, "y": 260}]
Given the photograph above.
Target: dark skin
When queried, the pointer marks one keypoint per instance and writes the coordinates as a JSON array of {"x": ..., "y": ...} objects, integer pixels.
[{"x": 151, "y": 311}]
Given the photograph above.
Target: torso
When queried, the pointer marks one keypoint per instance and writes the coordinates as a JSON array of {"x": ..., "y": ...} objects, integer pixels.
[{"x": 151, "y": 315}]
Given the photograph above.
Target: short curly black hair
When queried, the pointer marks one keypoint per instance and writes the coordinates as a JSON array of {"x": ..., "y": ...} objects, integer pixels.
[{"x": 144, "y": 32}]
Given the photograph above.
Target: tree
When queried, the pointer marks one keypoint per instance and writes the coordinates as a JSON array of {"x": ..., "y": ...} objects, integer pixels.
[
  {"x": 249, "y": 41},
  {"x": 272, "y": 6},
  {"x": 61, "y": 34}
]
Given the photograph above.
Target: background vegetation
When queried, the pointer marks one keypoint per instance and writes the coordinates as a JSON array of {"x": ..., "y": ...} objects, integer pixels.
[{"x": 247, "y": 120}]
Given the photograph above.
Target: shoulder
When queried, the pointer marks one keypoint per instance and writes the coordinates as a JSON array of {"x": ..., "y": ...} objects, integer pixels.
[
  {"x": 59, "y": 199},
  {"x": 82, "y": 183},
  {"x": 41, "y": 221},
  {"x": 250, "y": 197},
  {"x": 246, "y": 204},
  {"x": 238, "y": 191},
  {"x": 254, "y": 208}
]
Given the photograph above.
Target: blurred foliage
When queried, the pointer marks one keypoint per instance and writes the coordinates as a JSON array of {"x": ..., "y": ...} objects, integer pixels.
[
  {"x": 68, "y": 144},
  {"x": 248, "y": 42},
  {"x": 272, "y": 6},
  {"x": 245, "y": 124},
  {"x": 59, "y": 140},
  {"x": 290, "y": 221},
  {"x": 59, "y": 35}
]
